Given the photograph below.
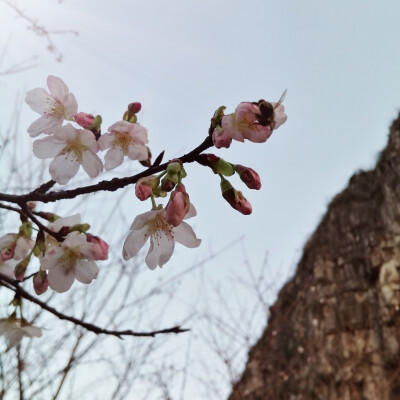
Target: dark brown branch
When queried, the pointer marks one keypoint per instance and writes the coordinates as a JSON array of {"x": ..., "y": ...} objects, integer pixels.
[
  {"x": 15, "y": 286},
  {"x": 111, "y": 185}
]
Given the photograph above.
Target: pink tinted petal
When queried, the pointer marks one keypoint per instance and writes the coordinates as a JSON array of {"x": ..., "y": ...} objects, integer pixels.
[
  {"x": 58, "y": 88},
  {"x": 64, "y": 167},
  {"x": 89, "y": 250},
  {"x": 44, "y": 123},
  {"x": 22, "y": 247},
  {"x": 106, "y": 141},
  {"x": 113, "y": 157},
  {"x": 48, "y": 147},
  {"x": 86, "y": 271},
  {"x": 91, "y": 163},
  {"x": 38, "y": 100},
  {"x": 185, "y": 235},
  {"x": 160, "y": 250},
  {"x": 64, "y": 133},
  {"x": 8, "y": 269},
  {"x": 70, "y": 106},
  {"x": 61, "y": 279},
  {"x": 137, "y": 152},
  {"x": 87, "y": 138},
  {"x": 139, "y": 134},
  {"x": 51, "y": 258},
  {"x": 134, "y": 242},
  {"x": 6, "y": 240},
  {"x": 259, "y": 134},
  {"x": 228, "y": 124},
  {"x": 74, "y": 239},
  {"x": 120, "y": 126}
]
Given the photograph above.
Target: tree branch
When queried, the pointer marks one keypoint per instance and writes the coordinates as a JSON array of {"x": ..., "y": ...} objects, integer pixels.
[
  {"x": 111, "y": 185},
  {"x": 15, "y": 286}
]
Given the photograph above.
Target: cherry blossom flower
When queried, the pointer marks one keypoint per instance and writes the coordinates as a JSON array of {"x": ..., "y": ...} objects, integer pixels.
[
  {"x": 124, "y": 139},
  {"x": 73, "y": 259},
  {"x": 71, "y": 148},
  {"x": 243, "y": 124},
  {"x": 54, "y": 107},
  {"x": 14, "y": 329},
  {"x": 153, "y": 225}
]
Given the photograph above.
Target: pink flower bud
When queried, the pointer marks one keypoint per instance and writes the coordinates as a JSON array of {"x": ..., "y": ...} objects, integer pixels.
[
  {"x": 84, "y": 120},
  {"x": 220, "y": 138},
  {"x": 99, "y": 248},
  {"x": 144, "y": 187},
  {"x": 40, "y": 282},
  {"x": 178, "y": 206},
  {"x": 134, "y": 108},
  {"x": 8, "y": 252},
  {"x": 235, "y": 198},
  {"x": 249, "y": 177}
]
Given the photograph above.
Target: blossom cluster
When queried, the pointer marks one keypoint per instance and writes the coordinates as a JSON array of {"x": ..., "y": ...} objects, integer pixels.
[
  {"x": 73, "y": 147},
  {"x": 64, "y": 248}
]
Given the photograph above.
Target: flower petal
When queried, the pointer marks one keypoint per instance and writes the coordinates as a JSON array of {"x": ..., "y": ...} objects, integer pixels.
[
  {"x": 51, "y": 258},
  {"x": 48, "y": 147},
  {"x": 113, "y": 157},
  {"x": 38, "y": 100},
  {"x": 44, "y": 123},
  {"x": 64, "y": 167},
  {"x": 137, "y": 152},
  {"x": 61, "y": 279},
  {"x": 58, "y": 89},
  {"x": 91, "y": 163},
  {"x": 134, "y": 242},
  {"x": 160, "y": 250},
  {"x": 86, "y": 271},
  {"x": 184, "y": 234}
]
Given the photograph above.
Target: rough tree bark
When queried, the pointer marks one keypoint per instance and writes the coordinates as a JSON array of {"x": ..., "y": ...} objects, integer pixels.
[{"x": 334, "y": 331}]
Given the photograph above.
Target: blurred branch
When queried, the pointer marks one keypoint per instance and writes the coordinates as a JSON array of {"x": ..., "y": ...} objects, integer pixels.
[{"x": 15, "y": 286}]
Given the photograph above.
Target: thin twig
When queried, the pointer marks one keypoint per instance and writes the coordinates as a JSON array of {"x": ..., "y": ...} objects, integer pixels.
[{"x": 15, "y": 286}]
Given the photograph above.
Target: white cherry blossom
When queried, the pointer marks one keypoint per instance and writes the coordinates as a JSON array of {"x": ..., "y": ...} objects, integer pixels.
[
  {"x": 153, "y": 225},
  {"x": 71, "y": 148},
  {"x": 54, "y": 107},
  {"x": 124, "y": 139},
  {"x": 73, "y": 259},
  {"x": 15, "y": 330}
]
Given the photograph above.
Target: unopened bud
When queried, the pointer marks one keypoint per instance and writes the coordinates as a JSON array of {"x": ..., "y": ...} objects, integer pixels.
[
  {"x": 20, "y": 269},
  {"x": 84, "y": 120},
  {"x": 144, "y": 187},
  {"x": 99, "y": 247},
  {"x": 248, "y": 176},
  {"x": 217, "y": 164},
  {"x": 178, "y": 206},
  {"x": 40, "y": 282},
  {"x": 235, "y": 198}
]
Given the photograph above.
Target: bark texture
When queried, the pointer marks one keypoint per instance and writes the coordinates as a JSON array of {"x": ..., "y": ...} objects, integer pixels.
[{"x": 334, "y": 331}]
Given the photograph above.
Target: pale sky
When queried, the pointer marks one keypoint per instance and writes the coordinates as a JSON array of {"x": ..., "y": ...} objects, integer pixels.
[{"x": 182, "y": 60}]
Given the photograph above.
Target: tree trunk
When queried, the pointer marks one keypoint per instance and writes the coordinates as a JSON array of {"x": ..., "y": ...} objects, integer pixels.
[{"x": 334, "y": 332}]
